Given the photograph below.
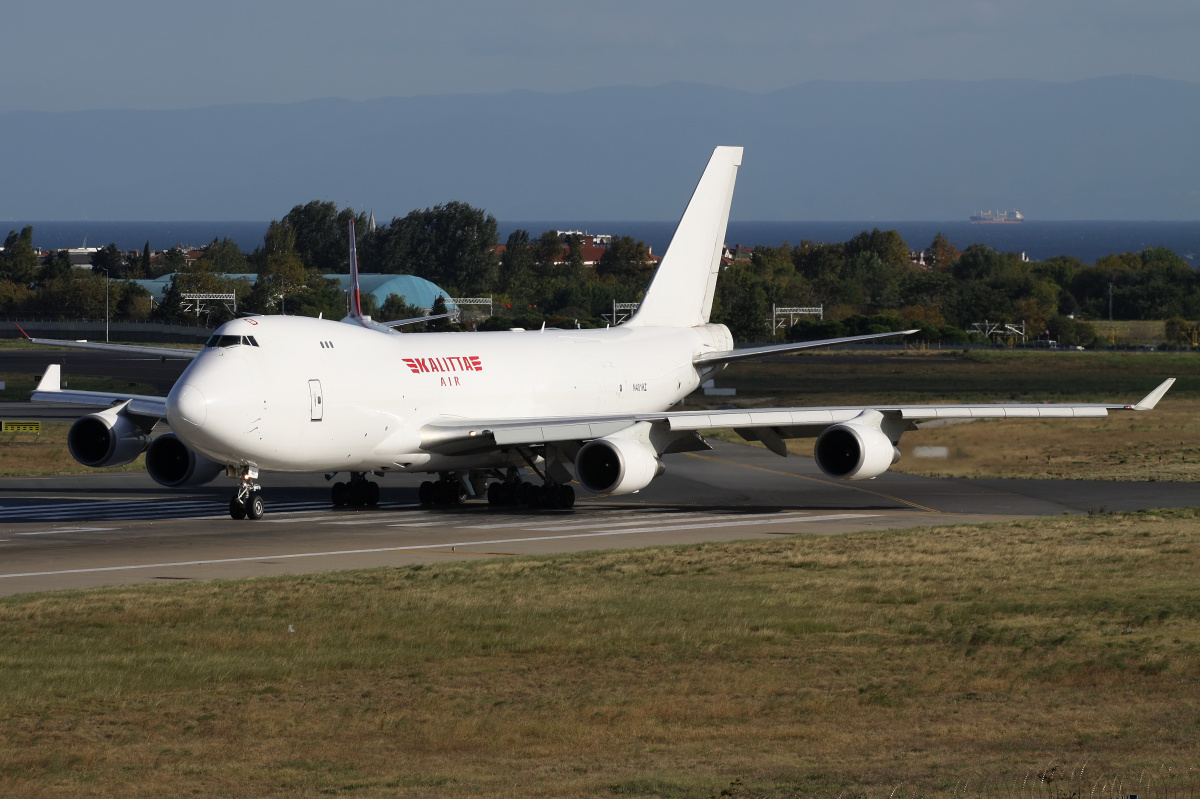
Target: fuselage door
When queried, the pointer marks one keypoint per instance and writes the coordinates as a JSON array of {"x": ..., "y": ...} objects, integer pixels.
[{"x": 315, "y": 401}]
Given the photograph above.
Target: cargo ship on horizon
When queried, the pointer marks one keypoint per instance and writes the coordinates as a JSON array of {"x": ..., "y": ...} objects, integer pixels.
[{"x": 1013, "y": 217}]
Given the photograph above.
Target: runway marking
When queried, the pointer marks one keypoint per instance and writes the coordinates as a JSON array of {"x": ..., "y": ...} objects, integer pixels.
[
  {"x": 377, "y": 550},
  {"x": 790, "y": 518},
  {"x": 72, "y": 530},
  {"x": 818, "y": 480},
  {"x": 111, "y": 510},
  {"x": 661, "y": 519},
  {"x": 559, "y": 521}
]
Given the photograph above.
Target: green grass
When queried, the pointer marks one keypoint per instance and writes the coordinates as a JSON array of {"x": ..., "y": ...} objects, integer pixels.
[{"x": 847, "y": 665}]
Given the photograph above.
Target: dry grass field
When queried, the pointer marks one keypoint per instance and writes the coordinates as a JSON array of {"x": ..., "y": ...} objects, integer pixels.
[
  {"x": 930, "y": 662},
  {"x": 23, "y": 454}
]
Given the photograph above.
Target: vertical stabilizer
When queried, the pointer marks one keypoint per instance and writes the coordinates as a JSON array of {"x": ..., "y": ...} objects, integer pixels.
[
  {"x": 681, "y": 293},
  {"x": 355, "y": 297}
]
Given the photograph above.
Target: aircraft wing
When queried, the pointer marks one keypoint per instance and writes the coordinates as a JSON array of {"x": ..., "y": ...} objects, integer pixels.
[
  {"x": 459, "y": 437},
  {"x": 49, "y": 389},
  {"x": 777, "y": 349},
  {"x": 164, "y": 352}
]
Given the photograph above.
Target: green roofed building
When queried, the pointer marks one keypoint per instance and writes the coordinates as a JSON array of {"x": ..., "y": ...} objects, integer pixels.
[{"x": 415, "y": 291}]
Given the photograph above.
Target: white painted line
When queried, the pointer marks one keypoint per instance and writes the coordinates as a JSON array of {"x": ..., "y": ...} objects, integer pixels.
[
  {"x": 71, "y": 530},
  {"x": 377, "y": 550},
  {"x": 542, "y": 521},
  {"x": 668, "y": 518},
  {"x": 742, "y": 523}
]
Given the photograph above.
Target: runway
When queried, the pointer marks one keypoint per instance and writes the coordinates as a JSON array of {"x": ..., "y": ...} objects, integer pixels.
[{"x": 108, "y": 528}]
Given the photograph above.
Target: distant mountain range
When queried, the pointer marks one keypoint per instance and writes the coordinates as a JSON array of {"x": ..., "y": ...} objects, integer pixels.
[{"x": 1108, "y": 148}]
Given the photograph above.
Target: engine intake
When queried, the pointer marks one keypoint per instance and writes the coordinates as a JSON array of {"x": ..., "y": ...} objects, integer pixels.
[
  {"x": 616, "y": 466},
  {"x": 852, "y": 451},
  {"x": 108, "y": 438},
  {"x": 172, "y": 464}
]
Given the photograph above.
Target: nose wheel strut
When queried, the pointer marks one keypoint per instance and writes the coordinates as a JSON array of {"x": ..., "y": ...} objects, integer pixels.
[{"x": 247, "y": 503}]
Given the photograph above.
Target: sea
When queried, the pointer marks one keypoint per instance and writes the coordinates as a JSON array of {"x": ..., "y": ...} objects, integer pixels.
[{"x": 1086, "y": 241}]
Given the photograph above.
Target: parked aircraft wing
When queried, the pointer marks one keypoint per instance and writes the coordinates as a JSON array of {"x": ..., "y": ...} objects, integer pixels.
[
  {"x": 455, "y": 437},
  {"x": 49, "y": 389},
  {"x": 164, "y": 352},
  {"x": 776, "y": 349}
]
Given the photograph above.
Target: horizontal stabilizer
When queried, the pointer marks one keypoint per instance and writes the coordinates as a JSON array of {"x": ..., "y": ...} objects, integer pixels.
[{"x": 777, "y": 349}]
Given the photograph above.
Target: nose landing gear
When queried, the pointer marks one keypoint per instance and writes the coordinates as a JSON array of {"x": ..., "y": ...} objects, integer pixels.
[{"x": 247, "y": 503}]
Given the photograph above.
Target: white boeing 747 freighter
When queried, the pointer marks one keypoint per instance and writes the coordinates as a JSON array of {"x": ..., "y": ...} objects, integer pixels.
[{"x": 486, "y": 412}]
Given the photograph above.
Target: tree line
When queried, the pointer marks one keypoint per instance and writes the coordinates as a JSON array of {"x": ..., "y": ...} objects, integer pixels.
[{"x": 867, "y": 284}]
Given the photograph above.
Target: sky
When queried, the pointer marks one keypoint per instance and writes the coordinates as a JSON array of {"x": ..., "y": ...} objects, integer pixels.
[{"x": 68, "y": 55}]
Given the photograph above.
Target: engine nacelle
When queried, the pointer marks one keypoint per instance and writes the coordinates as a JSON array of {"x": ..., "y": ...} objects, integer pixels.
[
  {"x": 852, "y": 451},
  {"x": 108, "y": 438},
  {"x": 172, "y": 464},
  {"x": 616, "y": 465}
]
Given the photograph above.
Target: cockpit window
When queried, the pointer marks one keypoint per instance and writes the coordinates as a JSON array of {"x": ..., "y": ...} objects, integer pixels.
[{"x": 231, "y": 341}]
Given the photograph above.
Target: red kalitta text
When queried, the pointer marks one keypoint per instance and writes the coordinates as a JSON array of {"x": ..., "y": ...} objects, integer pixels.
[{"x": 452, "y": 363}]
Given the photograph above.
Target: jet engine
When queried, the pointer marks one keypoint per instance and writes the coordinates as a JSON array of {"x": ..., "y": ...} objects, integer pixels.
[
  {"x": 108, "y": 438},
  {"x": 170, "y": 463},
  {"x": 616, "y": 465},
  {"x": 850, "y": 451}
]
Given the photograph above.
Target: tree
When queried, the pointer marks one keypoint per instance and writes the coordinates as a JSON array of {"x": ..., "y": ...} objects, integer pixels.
[
  {"x": 625, "y": 259},
  {"x": 225, "y": 257},
  {"x": 323, "y": 235},
  {"x": 57, "y": 267},
  {"x": 453, "y": 245},
  {"x": 942, "y": 252},
  {"x": 516, "y": 267},
  {"x": 109, "y": 261},
  {"x": 19, "y": 261},
  {"x": 438, "y": 325}
]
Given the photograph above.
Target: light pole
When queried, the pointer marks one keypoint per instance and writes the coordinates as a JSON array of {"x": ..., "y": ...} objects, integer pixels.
[{"x": 106, "y": 282}]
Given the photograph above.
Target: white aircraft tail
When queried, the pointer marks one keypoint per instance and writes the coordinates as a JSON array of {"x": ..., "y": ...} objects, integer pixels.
[
  {"x": 681, "y": 293},
  {"x": 355, "y": 297}
]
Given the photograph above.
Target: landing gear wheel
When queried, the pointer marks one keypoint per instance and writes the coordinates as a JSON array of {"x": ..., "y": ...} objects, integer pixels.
[
  {"x": 372, "y": 493},
  {"x": 427, "y": 492},
  {"x": 339, "y": 494},
  {"x": 236, "y": 509},
  {"x": 566, "y": 497},
  {"x": 254, "y": 508},
  {"x": 355, "y": 493}
]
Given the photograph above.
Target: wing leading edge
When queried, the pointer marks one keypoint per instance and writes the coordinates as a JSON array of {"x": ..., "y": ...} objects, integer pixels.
[{"x": 453, "y": 437}]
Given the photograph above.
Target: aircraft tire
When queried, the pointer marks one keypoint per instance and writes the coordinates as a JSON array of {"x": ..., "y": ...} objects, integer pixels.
[
  {"x": 338, "y": 494},
  {"x": 427, "y": 493},
  {"x": 372, "y": 493},
  {"x": 254, "y": 508},
  {"x": 236, "y": 509},
  {"x": 566, "y": 497},
  {"x": 527, "y": 494},
  {"x": 495, "y": 494}
]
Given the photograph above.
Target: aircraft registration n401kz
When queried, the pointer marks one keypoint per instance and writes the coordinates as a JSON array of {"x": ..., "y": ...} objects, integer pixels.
[{"x": 484, "y": 411}]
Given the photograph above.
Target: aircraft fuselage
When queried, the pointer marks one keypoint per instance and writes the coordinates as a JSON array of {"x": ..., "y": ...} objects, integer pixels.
[{"x": 297, "y": 394}]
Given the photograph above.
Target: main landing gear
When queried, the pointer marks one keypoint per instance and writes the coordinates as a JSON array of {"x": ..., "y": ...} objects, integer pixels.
[
  {"x": 448, "y": 490},
  {"x": 247, "y": 503},
  {"x": 358, "y": 492},
  {"x": 553, "y": 496}
]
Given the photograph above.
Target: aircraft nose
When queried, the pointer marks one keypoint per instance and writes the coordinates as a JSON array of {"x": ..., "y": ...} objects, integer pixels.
[{"x": 189, "y": 405}]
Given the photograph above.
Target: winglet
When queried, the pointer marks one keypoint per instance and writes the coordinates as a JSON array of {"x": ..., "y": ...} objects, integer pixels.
[
  {"x": 51, "y": 380},
  {"x": 23, "y": 333},
  {"x": 355, "y": 297},
  {"x": 1150, "y": 400}
]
